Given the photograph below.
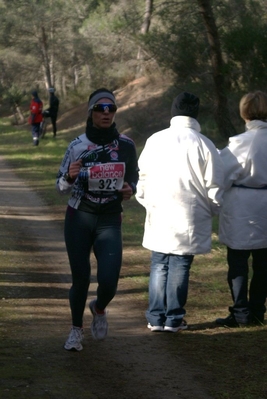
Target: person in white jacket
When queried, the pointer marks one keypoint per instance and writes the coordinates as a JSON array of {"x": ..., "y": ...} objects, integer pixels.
[
  {"x": 243, "y": 219},
  {"x": 181, "y": 187}
]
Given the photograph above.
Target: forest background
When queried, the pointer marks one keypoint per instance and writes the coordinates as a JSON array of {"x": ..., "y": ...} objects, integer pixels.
[
  {"x": 215, "y": 49},
  {"x": 147, "y": 52}
]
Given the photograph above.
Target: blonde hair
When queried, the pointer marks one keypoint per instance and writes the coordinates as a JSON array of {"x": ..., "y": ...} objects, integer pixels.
[{"x": 254, "y": 106}]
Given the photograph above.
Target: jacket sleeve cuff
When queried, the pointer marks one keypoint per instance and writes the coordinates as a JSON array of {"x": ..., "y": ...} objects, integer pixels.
[{"x": 133, "y": 186}]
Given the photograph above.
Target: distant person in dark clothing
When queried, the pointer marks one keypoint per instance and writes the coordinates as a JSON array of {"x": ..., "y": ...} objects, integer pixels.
[
  {"x": 52, "y": 111},
  {"x": 36, "y": 116}
]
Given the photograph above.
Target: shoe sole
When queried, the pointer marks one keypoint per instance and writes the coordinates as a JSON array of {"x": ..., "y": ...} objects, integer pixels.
[
  {"x": 175, "y": 329},
  {"x": 155, "y": 328},
  {"x": 73, "y": 349},
  {"x": 77, "y": 348}
]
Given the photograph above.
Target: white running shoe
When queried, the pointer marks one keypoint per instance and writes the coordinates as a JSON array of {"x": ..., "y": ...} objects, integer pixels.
[
  {"x": 182, "y": 326},
  {"x": 155, "y": 328},
  {"x": 99, "y": 326},
  {"x": 74, "y": 341}
]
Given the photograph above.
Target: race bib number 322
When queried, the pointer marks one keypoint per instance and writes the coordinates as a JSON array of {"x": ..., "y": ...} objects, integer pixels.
[{"x": 106, "y": 177}]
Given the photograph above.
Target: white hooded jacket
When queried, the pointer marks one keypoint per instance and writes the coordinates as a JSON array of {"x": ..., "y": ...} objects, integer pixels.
[
  {"x": 181, "y": 186},
  {"x": 243, "y": 218}
]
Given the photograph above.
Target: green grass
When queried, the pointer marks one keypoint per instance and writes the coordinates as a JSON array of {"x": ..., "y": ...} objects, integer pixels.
[{"x": 234, "y": 360}]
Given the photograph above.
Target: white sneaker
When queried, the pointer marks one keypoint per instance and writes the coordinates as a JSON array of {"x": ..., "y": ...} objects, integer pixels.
[
  {"x": 99, "y": 326},
  {"x": 155, "y": 328},
  {"x": 74, "y": 341},
  {"x": 182, "y": 326}
]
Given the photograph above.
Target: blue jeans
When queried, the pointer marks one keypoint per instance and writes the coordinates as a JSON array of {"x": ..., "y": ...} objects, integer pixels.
[
  {"x": 249, "y": 299},
  {"x": 35, "y": 130},
  {"x": 83, "y": 232},
  {"x": 168, "y": 288}
]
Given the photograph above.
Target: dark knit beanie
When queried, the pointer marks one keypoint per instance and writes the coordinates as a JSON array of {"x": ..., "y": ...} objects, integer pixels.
[
  {"x": 98, "y": 94},
  {"x": 185, "y": 104}
]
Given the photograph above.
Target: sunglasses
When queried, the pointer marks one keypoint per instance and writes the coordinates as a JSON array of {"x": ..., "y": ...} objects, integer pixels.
[{"x": 104, "y": 107}]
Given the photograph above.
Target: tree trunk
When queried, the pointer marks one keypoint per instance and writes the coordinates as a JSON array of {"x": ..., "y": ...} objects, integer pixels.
[
  {"x": 63, "y": 86},
  {"x": 18, "y": 111},
  {"x": 222, "y": 116},
  {"x": 75, "y": 77},
  {"x": 75, "y": 71},
  {"x": 51, "y": 63},
  {"x": 147, "y": 18},
  {"x": 144, "y": 30},
  {"x": 46, "y": 63}
]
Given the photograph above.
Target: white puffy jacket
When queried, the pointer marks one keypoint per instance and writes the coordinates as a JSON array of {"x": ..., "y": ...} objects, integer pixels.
[
  {"x": 180, "y": 185},
  {"x": 243, "y": 218}
]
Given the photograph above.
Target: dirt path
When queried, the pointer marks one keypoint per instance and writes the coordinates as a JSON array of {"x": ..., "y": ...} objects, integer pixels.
[{"x": 35, "y": 320}]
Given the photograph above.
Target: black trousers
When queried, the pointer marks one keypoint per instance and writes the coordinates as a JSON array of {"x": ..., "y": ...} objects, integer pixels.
[
  {"x": 54, "y": 123},
  {"x": 53, "y": 116},
  {"x": 249, "y": 299},
  {"x": 83, "y": 232}
]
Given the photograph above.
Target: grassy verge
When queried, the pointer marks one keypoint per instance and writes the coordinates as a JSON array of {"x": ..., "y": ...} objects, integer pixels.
[{"x": 236, "y": 359}]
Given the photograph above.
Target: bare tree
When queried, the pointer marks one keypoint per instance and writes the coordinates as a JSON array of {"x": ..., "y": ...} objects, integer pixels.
[
  {"x": 144, "y": 29},
  {"x": 222, "y": 115},
  {"x": 45, "y": 57},
  {"x": 147, "y": 16}
]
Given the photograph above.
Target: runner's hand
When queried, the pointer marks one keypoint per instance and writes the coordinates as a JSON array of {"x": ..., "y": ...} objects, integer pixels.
[
  {"x": 126, "y": 191},
  {"x": 74, "y": 169}
]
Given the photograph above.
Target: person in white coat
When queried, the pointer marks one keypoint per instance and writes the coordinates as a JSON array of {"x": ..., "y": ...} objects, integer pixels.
[
  {"x": 243, "y": 219},
  {"x": 181, "y": 186}
]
